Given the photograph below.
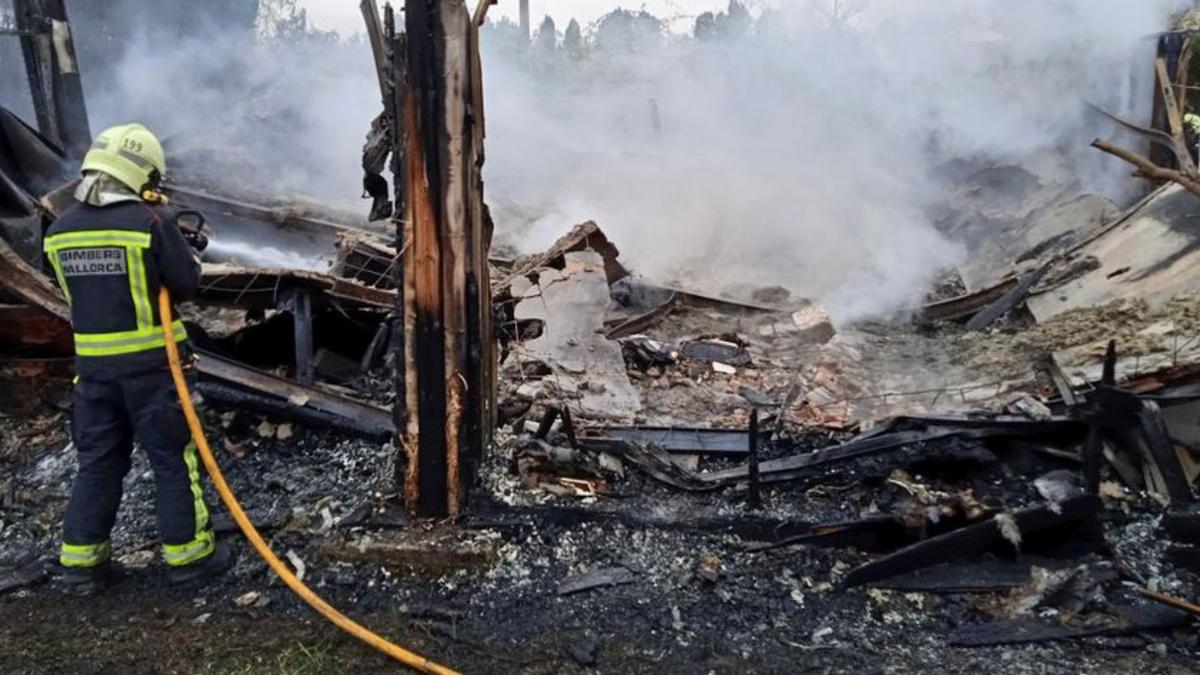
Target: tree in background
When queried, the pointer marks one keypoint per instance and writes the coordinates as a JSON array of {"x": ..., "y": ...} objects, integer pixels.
[
  {"x": 284, "y": 21},
  {"x": 573, "y": 40},
  {"x": 546, "y": 40},
  {"x": 623, "y": 32},
  {"x": 734, "y": 22},
  {"x": 840, "y": 13},
  {"x": 503, "y": 37}
]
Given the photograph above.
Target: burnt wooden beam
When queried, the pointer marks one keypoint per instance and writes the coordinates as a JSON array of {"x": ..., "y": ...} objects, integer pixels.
[
  {"x": 977, "y": 577},
  {"x": 755, "y": 496},
  {"x": 444, "y": 360},
  {"x": 239, "y": 398},
  {"x": 1008, "y": 302},
  {"x": 375, "y": 37},
  {"x": 425, "y": 488},
  {"x": 1093, "y": 455},
  {"x": 884, "y": 439},
  {"x": 1128, "y": 618},
  {"x": 1162, "y": 451},
  {"x": 481, "y": 11},
  {"x": 677, "y": 439},
  {"x": 972, "y": 540},
  {"x": 298, "y": 301},
  {"x": 874, "y": 533},
  {"x": 240, "y": 384},
  {"x": 1136, "y": 426},
  {"x": 53, "y": 73},
  {"x": 1174, "y": 117},
  {"x": 966, "y": 306},
  {"x": 1149, "y": 169},
  {"x": 24, "y": 281},
  {"x": 473, "y": 407}
]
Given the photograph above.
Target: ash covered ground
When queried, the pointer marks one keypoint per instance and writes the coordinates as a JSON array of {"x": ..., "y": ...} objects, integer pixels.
[{"x": 691, "y": 595}]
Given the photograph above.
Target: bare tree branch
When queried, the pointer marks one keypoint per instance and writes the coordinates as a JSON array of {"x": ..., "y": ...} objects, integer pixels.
[
  {"x": 1160, "y": 138},
  {"x": 1148, "y": 169}
]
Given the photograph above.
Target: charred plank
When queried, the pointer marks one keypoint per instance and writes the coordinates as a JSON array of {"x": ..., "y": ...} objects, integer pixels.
[
  {"x": 1131, "y": 617},
  {"x": 671, "y": 439},
  {"x": 980, "y": 577},
  {"x": 278, "y": 395},
  {"x": 973, "y": 540},
  {"x": 1008, "y": 302}
]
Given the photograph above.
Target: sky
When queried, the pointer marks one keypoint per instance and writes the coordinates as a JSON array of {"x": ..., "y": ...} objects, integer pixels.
[{"x": 343, "y": 15}]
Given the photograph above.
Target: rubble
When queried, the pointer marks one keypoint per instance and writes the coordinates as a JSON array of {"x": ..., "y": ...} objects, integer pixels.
[
  {"x": 611, "y": 576},
  {"x": 427, "y": 553},
  {"x": 915, "y": 523},
  {"x": 583, "y": 365},
  {"x": 716, "y": 480}
]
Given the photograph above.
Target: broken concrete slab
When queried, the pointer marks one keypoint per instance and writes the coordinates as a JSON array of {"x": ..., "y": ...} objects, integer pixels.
[
  {"x": 809, "y": 325},
  {"x": 1152, "y": 256},
  {"x": 586, "y": 367},
  {"x": 583, "y": 237},
  {"x": 1005, "y": 211}
]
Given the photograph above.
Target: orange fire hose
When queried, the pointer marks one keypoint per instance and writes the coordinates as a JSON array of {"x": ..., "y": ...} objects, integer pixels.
[{"x": 210, "y": 463}]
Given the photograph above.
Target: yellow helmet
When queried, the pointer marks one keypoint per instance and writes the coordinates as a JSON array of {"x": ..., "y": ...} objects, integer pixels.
[{"x": 129, "y": 153}]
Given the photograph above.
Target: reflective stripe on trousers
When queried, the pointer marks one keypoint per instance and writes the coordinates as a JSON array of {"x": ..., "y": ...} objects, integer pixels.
[
  {"x": 203, "y": 545},
  {"x": 84, "y": 555}
]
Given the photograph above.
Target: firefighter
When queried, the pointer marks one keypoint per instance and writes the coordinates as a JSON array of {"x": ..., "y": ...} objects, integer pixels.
[
  {"x": 110, "y": 253},
  {"x": 1191, "y": 134}
]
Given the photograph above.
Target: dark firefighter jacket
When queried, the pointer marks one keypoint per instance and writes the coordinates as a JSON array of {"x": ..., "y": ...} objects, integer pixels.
[{"x": 110, "y": 262}]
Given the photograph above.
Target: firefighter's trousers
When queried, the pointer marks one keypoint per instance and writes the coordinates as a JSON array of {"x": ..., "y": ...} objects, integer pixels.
[{"x": 108, "y": 416}]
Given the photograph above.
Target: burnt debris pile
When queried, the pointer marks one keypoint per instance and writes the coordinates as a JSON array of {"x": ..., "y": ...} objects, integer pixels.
[{"x": 646, "y": 469}]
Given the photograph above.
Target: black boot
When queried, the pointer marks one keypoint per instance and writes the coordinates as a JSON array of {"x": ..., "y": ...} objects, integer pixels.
[
  {"x": 87, "y": 581},
  {"x": 217, "y": 562}
]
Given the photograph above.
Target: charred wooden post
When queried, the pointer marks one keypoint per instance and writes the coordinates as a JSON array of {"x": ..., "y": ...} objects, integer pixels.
[
  {"x": 444, "y": 360},
  {"x": 298, "y": 301},
  {"x": 53, "y": 73},
  {"x": 755, "y": 497},
  {"x": 1093, "y": 455}
]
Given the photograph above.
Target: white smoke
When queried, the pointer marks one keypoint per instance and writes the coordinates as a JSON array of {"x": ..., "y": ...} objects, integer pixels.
[
  {"x": 277, "y": 119},
  {"x": 807, "y": 151},
  {"x": 804, "y": 152}
]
